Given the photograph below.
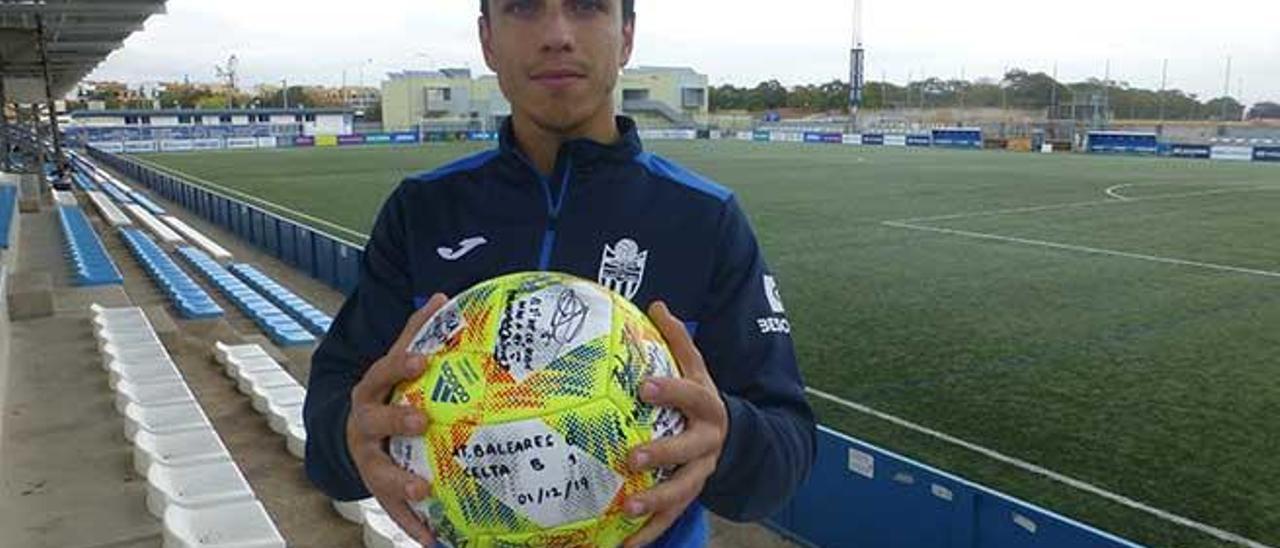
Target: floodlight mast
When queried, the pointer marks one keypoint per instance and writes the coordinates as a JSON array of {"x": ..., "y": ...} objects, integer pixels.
[{"x": 857, "y": 68}]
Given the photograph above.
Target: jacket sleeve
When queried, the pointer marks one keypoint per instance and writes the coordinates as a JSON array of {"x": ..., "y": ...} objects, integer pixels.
[
  {"x": 745, "y": 339},
  {"x": 366, "y": 327}
]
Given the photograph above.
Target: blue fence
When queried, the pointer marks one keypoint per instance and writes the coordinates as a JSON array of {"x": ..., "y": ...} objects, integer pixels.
[
  {"x": 958, "y": 138},
  {"x": 1123, "y": 142},
  {"x": 331, "y": 260},
  {"x": 858, "y": 495}
]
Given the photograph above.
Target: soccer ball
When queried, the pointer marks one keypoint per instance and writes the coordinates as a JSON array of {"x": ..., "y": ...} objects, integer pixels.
[{"x": 531, "y": 389}]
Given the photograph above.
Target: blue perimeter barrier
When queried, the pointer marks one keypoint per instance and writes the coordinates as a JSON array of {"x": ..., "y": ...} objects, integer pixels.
[
  {"x": 331, "y": 260},
  {"x": 858, "y": 494}
]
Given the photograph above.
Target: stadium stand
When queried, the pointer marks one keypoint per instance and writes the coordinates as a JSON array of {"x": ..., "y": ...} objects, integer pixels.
[
  {"x": 257, "y": 372},
  {"x": 115, "y": 193},
  {"x": 188, "y": 297},
  {"x": 282, "y": 329},
  {"x": 315, "y": 320},
  {"x": 84, "y": 182},
  {"x": 162, "y": 231},
  {"x": 66, "y": 198},
  {"x": 110, "y": 213},
  {"x": 92, "y": 265},
  {"x": 193, "y": 484},
  {"x": 8, "y": 205},
  {"x": 142, "y": 200},
  {"x": 217, "y": 252}
]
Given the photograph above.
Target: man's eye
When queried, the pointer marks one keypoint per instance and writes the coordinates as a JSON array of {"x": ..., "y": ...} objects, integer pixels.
[
  {"x": 519, "y": 7},
  {"x": 594, "y": 6}
]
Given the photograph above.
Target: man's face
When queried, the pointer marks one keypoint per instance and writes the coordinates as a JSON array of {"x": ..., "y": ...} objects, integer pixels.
[{"x": 557, "y": 60}]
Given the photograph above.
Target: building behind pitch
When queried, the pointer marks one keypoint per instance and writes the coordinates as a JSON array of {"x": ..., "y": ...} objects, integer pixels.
[{"x": 455, "y": 100}]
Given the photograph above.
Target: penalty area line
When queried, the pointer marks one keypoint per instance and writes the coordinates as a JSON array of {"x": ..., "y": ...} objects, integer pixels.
[
  {"x": 1165, "y": 515},
  {"x": 1086, "y": 249}
]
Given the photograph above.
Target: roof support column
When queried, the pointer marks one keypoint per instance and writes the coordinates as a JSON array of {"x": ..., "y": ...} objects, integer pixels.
[
  {"x": 4, "y": 124},
  {"x": 59, "y": 159}
]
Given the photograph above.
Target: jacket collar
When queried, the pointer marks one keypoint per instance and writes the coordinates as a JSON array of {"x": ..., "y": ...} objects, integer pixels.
[{"x": 584, "y": 151}]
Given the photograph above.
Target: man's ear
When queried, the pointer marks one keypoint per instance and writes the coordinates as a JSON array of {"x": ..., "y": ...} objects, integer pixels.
[
  {"x": 628, "y": 41},
  {"x": 486, "y": 45}
]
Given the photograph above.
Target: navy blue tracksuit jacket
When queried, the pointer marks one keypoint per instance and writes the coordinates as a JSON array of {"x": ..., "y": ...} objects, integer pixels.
[{"x": 635, "y": 222}]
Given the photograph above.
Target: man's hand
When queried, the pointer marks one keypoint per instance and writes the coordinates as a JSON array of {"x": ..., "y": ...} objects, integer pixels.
[
  {"x": 372, "y": 421},
  {"x": 695, "y": 451}
]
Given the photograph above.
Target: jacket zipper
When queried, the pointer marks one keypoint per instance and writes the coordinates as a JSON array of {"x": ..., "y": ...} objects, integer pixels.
[{"x": 554, "y": 206}]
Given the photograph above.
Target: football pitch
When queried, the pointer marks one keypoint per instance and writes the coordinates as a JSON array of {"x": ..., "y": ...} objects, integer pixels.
[{"x": 1112, "y": 321}]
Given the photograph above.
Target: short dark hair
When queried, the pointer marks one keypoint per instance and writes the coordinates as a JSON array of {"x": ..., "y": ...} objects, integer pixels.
[{"x": 628, "y": 9}]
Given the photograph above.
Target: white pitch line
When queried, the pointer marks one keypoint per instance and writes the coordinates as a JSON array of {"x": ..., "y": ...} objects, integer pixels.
[
  {"x": 1114, "y": 192},
  {"x": 1220, "y": 534},
  {"x": 1086, "y": 249},
  {"x": 1070, "y": 205},
  {"x": 254, "y": 199}
]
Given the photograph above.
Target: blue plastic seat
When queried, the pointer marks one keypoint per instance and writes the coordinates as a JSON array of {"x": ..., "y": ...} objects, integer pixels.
[
  {"x": 146, "y": 203},
  {"x": 310, "y": 317},
  {"x": 279, "y": 326},
  {"x": 92, "y": 264},
  {"x": 187, "y": 296}
]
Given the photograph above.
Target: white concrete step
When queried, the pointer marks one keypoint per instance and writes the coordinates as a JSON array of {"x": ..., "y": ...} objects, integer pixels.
[
  {"x": 355, "y": 511},
  {"x": 152, "y": 394},
  {"x": 296, "y": 441},
  {"x": 182, "y": 449},
  {"x": 265, "y": 379},
  {"x": 239, "y": 525},
  {"x": 226, "y": 352},
  {"x": 164, "y": 419},
  {"x": 103, "y": 315},
  {"x": 144, "y": 351},
  {"x": 281, "y": 416},
  {"x": 195, "y": 487},
  {"x": 134, "y": 338},
  {"x": 154, "y": 371},
  {"x": 234, "y": 369},
  {"x": 282, "y": 396}
]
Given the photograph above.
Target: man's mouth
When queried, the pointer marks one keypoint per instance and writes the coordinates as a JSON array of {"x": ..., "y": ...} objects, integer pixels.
[{"x": 558, "y": 78}]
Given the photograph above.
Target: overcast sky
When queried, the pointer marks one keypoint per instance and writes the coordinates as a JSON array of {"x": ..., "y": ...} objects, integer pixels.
[{"x": 737, "y": 41}]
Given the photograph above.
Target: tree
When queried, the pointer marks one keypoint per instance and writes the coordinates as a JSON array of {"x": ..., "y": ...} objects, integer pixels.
[
  {"x": 1265, "y": 111},
  {"x": 1215, "y": 109}
]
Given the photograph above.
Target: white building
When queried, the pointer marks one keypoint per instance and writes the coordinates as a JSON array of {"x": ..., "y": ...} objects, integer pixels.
[{"x": 203, "y": 123}]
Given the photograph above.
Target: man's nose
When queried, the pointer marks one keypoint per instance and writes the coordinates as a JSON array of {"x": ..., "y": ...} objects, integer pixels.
[{"x": 557, "y": 31}]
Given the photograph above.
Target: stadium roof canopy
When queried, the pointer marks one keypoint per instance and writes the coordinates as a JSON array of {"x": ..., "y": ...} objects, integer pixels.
[{"x": 79, "y": 35}]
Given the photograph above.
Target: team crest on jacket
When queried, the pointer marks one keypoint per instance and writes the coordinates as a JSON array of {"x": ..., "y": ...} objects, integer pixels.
[{"x": 622, "y": 267}]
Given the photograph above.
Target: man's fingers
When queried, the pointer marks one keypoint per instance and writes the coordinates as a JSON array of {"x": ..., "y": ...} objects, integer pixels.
[
  {"x": 658, "y": 524},
  {"x": 378, "y": 422},
  {"x": 678, "y": 491},
  {"x": 385, "y": 479},
  {"x": 416, "y": 322},
  {"x": 377, "y": 383},
  {"x": 400, "y": 513},
  {"x": 674, "y": 451},
  {"x": 678, "y": 339},
  {"x": 693, "y": 400}
]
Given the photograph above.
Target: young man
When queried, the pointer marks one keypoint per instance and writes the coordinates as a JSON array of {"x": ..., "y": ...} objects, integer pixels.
[{"x": 570, "y": 189}]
